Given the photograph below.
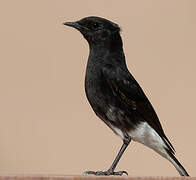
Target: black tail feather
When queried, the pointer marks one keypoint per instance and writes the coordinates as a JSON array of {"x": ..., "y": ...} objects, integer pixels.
[{"x": 177, "y": 164}]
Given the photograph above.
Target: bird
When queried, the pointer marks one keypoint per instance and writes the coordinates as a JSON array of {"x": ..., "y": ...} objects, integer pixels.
[{"x": 116, "y": 97}]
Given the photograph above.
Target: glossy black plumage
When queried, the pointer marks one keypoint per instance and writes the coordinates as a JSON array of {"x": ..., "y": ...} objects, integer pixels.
[{"x": 115, "y": 95}]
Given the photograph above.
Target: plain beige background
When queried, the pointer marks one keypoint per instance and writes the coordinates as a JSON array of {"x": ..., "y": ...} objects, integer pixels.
[{"x": 46, "y": 123}]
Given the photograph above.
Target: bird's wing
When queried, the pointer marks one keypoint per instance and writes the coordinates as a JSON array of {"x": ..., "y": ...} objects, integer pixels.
[{"x": 127, "y": 90}]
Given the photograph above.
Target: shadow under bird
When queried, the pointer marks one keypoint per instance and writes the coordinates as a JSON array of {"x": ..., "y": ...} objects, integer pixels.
[{"x": 115, "y": 95}]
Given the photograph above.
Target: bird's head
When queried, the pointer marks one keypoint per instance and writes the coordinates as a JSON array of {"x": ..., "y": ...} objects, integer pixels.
[{"x": 95, "y": 30}]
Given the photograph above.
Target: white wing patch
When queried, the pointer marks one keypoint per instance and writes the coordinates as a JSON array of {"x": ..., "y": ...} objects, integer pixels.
[{"x": 146, "y": 135}]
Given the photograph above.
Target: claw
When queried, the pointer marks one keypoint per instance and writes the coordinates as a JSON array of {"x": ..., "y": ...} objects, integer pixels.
[
  {"x": 120, "y": 173},
  {"x": 89, "y": 172}
]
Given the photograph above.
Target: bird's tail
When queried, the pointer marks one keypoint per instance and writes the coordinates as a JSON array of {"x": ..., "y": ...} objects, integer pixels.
[{"x": 177, "y": 164}]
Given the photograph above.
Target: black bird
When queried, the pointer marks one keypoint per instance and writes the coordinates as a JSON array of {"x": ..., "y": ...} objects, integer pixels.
[{"x": 115, "y": 95}]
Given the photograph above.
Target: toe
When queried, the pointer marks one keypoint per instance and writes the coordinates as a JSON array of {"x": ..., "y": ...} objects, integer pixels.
[
  {"x": 100, "y": 173},
  {"x": 120, "y": 173}
]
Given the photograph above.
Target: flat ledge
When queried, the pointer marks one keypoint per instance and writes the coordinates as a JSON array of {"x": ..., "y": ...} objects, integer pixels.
[{"x": 78, "y": 177}]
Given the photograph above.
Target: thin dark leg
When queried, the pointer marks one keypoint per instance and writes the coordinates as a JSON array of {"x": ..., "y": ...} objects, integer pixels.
[
  {"x": 110, "y": 171},
  {"x": 119, "y": 155}
]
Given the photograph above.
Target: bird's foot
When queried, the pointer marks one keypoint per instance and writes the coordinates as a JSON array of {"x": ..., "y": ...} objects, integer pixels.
[{"x": 105, "y": 173}]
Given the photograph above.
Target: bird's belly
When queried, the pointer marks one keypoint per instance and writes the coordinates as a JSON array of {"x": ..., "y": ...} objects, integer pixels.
[
  {"x": 119, "y": 121},
  {"x": 101, "y": 102}
]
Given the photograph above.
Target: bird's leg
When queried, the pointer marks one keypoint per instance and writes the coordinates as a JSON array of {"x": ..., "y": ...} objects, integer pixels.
[
  {"x": 110, "y": 171},
  {"x": 116, "y": 160}
]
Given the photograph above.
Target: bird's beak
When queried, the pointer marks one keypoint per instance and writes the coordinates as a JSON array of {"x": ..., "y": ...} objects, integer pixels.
[
  {"x": 73, "y": 24},
  {"x": 76, "y": 25}
]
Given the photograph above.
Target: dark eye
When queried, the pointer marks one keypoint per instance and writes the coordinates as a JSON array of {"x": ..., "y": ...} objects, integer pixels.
[{"x": 95, "y": 25}]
